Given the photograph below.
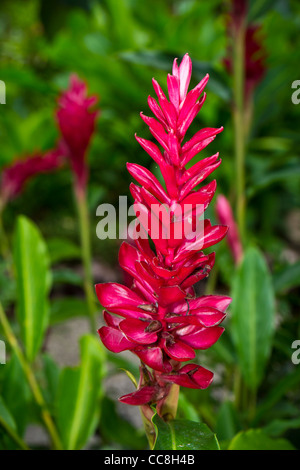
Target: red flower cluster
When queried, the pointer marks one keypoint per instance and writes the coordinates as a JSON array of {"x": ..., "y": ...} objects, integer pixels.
[
  {"x": 160, "y": 319},
  {"x": 76, "y": 121}
]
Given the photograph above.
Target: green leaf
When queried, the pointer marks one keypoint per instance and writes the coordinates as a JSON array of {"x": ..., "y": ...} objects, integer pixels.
[
  {"x": 51, "y": 373},
  {"x": 114, "y": 428},
  {"x": 253, "y": 316},
  {"x": 8, "y": 429},
  {"x": 183, "y": 435},
  {"x": 280, "y": 389},
  {"x": 16, "y": 393},
  {"x": 227, "y": 421},
  {"x": 62, "y": 249},
  {"x": 282, "y": 174},
  {"x": 277, "y": 427},
  {"x": 66, "y": 276},
  {"x": 287, "y": 278},
  {"x": 256, "y": 439},
  {"x": 33, "y": 281},
  {"x": 6, "y": 416},
  {"x": 66, "y": 308},
  {"x": 186, "y": 409},
  {"x": 79, "y": 395}
]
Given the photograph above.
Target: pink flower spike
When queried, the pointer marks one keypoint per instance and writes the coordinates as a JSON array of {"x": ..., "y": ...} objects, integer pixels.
[
  {"x": 76, "y": 122},
  {"x": 225, "y": 216},
  {"x": 160, "y": 319},
  {"x": 15, "y": 176}
]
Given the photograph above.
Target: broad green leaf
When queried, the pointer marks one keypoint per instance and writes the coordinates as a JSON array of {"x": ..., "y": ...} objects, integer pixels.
[
  {"x": 67, "y": 307},
  {"x": 282, "y": 174},
  {"x": 256, "y": 439},
  {"x": 287, "y": 278},
  {"x": 16, "y": 393},
  {"x": 252, "y": 316},
  {"x": 51, "y": 379},
  {"x": 79, "y": 393},
  {"x": 260, "y": 8},
  {"x": 183, "y": 435},
  {"x": 278, "y": 427},
  {"x": 227, "y": 421},
  {"x": 6, "y": 416},
  {"x": 278, "y": 391},
  {"x": 114, "y": 428},
  {"x": 66, "y": 276},
  {"x": 186, "y": 409},
  {"x": 33, "y": 281},
  {"x": 9, "y": 438},
  {"x": 7, "y": 428},
  {"x": 61, "y": 249}
]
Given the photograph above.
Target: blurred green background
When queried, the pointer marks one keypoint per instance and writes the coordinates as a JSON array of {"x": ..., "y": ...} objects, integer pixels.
[{"x": 116, "y": 47}]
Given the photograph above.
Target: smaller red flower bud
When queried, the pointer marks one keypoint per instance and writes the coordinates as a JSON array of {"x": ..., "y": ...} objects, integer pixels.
[
  {"x": 76, "y": 121},
  {"x": 225, "y": 216}
]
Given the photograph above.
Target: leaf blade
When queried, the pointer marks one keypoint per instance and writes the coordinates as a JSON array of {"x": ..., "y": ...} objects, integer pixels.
[
  {"x": 79, "y": 395},
  {"x": 33, "y": 280},
  {"x": 183, "y": 435},
  {"x": 253, "y": 316}
]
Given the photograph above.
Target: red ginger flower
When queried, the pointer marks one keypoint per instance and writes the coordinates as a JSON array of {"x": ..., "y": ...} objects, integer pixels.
[
  {"x": 160, "y": 319},
  {"x": 15, "y": 176},
  {"x": 76, "y": 121}
]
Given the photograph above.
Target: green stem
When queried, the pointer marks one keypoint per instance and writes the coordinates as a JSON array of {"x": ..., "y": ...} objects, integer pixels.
[
  {"x": 4, "y": 247},
  {"x": 36, "y": 391},
  {"x": 237, "y": 386},
  {"x": 147, "y": 415},
  {"x": 239, "y": 125},
  {"x": 84, "y": 225},
  {"x": 13, "y": 435}
]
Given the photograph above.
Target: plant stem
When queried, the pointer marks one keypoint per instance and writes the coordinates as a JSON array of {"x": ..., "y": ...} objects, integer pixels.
[
  {"x": 239, "y": 130},
  {"x": 147, "y": 415},
  {"x": 36, "y": 391},
  {"x": 4, "y": 249},
  {"x": 84, "y": 225},
  {"x": 13, "y": 435},
  {"x": 237, "y": 386}
]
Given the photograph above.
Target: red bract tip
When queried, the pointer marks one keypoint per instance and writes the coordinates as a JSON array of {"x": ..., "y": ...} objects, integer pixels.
[{"x": 76, "y": 121}]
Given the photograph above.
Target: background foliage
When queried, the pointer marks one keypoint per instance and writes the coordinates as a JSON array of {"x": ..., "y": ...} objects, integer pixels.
[{"x": 117, "y": 46}]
